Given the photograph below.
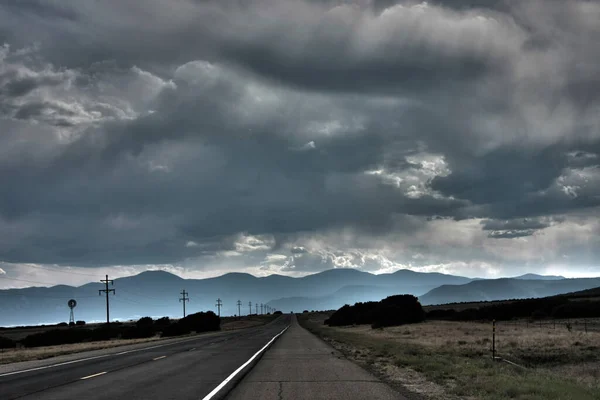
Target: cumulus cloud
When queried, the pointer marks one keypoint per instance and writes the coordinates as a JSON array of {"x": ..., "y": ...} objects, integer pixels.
[{"x": 448, "y": 136}]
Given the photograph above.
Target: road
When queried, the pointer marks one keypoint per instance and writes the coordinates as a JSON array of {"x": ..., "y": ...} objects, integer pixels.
[
  {"x": 301, "y": 366},
  {"x": 297, "y": 366},
  {"x": 190, "y": 369}
]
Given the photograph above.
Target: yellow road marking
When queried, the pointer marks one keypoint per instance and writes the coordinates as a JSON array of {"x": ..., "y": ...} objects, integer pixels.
[{"x": 93, "y": 376}]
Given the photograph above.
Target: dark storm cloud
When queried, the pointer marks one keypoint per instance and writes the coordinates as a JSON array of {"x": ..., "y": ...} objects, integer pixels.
[
  {"x": 156, "y": 132},
  {"x": 516, "y": 224}
]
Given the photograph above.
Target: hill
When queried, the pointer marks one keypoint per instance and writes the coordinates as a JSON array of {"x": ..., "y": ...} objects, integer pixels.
[
  {"x": 505, "y": 288},
  {"x": 156, "y": 294},
  {"x": 540, "y": 277}
]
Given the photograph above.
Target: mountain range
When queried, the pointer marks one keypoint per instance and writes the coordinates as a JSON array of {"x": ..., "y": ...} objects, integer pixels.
[{"x": 157, "y": 293}]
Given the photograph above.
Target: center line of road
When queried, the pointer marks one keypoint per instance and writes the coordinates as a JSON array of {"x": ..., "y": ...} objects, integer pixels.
[
  {"x": 93, "y": 376},
  {"x": 158, "y": 358},
  {"x": 237, "y": 371},
  {"x": 96, "y": 357}
]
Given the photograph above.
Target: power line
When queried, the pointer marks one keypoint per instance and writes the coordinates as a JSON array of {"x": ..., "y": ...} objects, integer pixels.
[
  {"x": 26, "y": 280},
  {"x": 141, "y": 295},
  {"x": 184, "y": 299},
  {"x": 107, "y": 291},
  {"x": 130, "y": 301},
  {"x": 42, "y": 296},
  {"x": 58, "y": 270}
]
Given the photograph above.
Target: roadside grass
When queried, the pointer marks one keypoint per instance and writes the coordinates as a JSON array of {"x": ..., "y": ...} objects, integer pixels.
[
  {"x": 457, "y": 356},
  {"x": 39, "y": 353},
  {"x": 8, "y": 356}
]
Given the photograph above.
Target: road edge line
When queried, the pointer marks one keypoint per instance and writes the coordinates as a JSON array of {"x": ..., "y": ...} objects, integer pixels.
[{"x": 247, "y": 365}]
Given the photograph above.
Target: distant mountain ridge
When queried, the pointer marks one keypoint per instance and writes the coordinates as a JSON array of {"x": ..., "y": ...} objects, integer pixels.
[
  {"x": 505, "y": 288},
  {"x": 540, "y": 277},
  {"x": 156, "y": 293}
]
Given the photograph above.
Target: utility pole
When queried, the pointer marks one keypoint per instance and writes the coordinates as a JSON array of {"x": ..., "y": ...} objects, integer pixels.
[
  {"x": 219, "y": 304},
  {"x": 261, "y": 308},
  {"x": 107, "y": 291},
  {"x": 239, "y": 303},
  {"x": 184, "y": 299},
  {"x": 256, "y": 306},
  {"x": 250, "y": 305}
]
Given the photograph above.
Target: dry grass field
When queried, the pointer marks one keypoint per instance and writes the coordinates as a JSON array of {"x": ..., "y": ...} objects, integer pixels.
[
  {"x": 39, "y": 353},
  {"x": 443, "y": 360}
]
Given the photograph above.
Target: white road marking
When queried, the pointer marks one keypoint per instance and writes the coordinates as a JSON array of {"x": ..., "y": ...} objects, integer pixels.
[
  {"x": 159, "y": 358},
  {"x": 54, "y": 365},
  {"x": 93, "y": 376},
  {"x": 93, "y": 358},
  {"x": 237, "y": 371}
]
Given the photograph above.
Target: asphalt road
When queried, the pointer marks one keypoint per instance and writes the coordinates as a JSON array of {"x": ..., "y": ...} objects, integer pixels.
[
  {"x": 189, "y": 369},
  {"x": 301, "y": 366}
]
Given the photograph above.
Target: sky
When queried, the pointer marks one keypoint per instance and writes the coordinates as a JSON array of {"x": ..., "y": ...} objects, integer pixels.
[{"x": 276, "y": 136}]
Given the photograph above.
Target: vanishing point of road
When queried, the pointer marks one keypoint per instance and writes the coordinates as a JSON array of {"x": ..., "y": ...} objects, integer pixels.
[{"x": 280, "y": 360}]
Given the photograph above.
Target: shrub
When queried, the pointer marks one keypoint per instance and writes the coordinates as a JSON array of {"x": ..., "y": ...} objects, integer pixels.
[
  {"x": 441, "y": 314},
  {"x": 174, "y": 330},
  {"x": 578, "y": 309},
  {"x": 62, "y": 324},
  {"x": 80, "y": 323},
  {"x": 198, "y": 322},
  {"x": 57, "y": 336},
  {"x": 505, "y": 311},
  {"x": 305, "y": 312},
  {"x": 144, "y": 321},
  {"x": 277, "y": 313},
  {"x": 6, "y": 343},
  {"x": 71, "y": 323},
  {"x": 106, "y": 332},
  {"x": 161, "y": 322},
  {"x": 138, "y": 332},
  {"x": 391, "y": 311}
]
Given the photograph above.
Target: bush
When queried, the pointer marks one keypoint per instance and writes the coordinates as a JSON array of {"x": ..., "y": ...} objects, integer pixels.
[
  {"x": 6, "y": 343},
  {"x": 277, "y": 313},
  {"x": 578, "y": 309},
  {"x": 57, "y": 336},
  {"x": 62, "y": 324},
  {"x": 391, "y": 311},
  {"x": 161, "y": 322},
  {"x": 71, "y": 323},
  {"x": 80, "y": 323},
  {"x": 175, "y": 330},
  {"x": 441, "y": 314},
  {"x": 138, "y": 332},
  {"x": 505, "y": 311},
  {"x": 198, "y": 322},
  {"x": 144, "y": 321}
]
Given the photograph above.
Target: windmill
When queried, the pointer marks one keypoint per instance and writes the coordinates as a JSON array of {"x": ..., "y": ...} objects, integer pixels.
[{"x": 72, "y": 304}]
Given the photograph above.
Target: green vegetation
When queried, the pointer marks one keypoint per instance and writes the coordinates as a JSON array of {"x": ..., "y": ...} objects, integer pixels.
[
  {"x": 555, "y": 307},
  {"x": 6, "y": 343},
  {"x": 456, "y": 356},
  {"x": 144, "y": 328},
  {"x": 391, "y": 311}
]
